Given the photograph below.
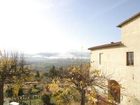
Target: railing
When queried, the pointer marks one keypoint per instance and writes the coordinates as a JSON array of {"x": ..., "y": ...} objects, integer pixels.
[{"x": 25, "y": 99}]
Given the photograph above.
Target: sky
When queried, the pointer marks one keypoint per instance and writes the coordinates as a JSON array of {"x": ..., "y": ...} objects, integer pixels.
[{"x": 60, "y": 26}]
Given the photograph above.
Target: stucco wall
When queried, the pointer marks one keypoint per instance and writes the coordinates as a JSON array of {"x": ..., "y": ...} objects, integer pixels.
[
  {"x": 131, "y": 33},
  {"x": 113, "y": 61}
]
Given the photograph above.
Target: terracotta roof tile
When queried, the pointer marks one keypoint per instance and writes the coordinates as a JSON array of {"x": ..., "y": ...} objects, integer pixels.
[
  {"x": 129, "y": 19},
  {"x": 112, "y": 44}
]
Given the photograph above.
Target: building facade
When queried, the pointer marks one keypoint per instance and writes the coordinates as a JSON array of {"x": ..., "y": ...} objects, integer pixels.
[{"x": 121, "y": 60}]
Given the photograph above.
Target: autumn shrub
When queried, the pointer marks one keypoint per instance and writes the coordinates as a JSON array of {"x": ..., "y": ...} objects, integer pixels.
[{"x": 47, "y": 99}]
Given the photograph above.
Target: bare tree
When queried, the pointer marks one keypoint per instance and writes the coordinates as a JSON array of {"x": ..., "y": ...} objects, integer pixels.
[
  {"x": 12, "y": 67},
  {"x": 78, "y": 77}
]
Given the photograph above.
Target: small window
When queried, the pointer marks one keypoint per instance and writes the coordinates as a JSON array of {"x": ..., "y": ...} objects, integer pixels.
[
  {"x": 129, "y": 58},
  {"x": 100, "y": 58}
]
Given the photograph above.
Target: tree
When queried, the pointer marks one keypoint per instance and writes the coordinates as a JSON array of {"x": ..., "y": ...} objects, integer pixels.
[
  {"x": 9, "y": 91},
  {"x": 52, "y": 73},
  {"x": 79, "y": 78},
  {"x": 46, "y": 99},
  {"x": 20, "y": 92},
  {"x": 12, "y": 68},
  {"x": 37, "y": 74},
  {"x": 66, "y": 96}
]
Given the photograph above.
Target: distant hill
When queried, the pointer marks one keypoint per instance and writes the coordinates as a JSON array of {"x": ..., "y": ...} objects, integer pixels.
[
  {"x": 44, "y": 61},
  {"x": 46, "y": 64}
]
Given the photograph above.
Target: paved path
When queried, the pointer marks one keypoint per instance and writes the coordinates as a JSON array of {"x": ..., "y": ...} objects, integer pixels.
[{"x": 6, "y": 101}]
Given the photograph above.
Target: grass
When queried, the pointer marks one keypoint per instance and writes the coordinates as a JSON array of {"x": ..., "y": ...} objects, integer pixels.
[{"x": 34, "y": 102}]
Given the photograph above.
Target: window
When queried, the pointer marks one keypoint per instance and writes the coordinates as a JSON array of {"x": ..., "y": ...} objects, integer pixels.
[
  {"x": 129, "y": 58},
  {"x": 100, "y": 58}
]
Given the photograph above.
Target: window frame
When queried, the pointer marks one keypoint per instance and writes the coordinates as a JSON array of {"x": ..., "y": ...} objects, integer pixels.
[
  {"x": 130, "y": 58},
  {"x": 100, "y": 58}
]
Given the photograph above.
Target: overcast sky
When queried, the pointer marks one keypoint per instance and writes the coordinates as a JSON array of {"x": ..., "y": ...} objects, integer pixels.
[{"x": 34, "y": 26}]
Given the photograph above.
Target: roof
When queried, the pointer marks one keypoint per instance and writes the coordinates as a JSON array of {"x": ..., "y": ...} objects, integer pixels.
[
  {"x": 112, "y": 44},
  {"x": 129, "y": 19}
]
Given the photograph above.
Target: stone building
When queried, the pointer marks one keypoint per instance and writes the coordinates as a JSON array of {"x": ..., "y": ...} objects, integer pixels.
[{"x": 121, "y": 60}]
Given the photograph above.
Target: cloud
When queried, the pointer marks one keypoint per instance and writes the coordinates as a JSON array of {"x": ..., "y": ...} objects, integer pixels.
[
  {"x": 80, "y": 54},
  {"x": 51, "y": 55},
  {"x": 55, "y": 3},
  {"x": 31, "y": 26}
]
